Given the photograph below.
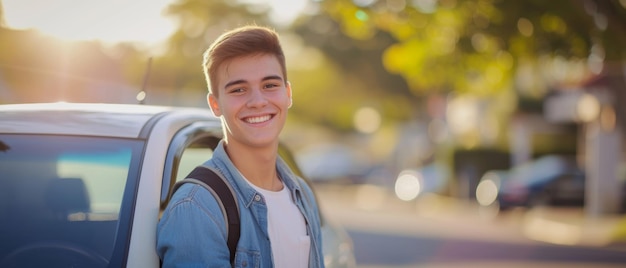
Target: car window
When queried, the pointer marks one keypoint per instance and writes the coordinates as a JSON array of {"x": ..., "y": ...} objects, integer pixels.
[
  {"x": 192, "y": 157},
  {"x": 63, "y": 192},
  {"x": 103, "y": 174}
]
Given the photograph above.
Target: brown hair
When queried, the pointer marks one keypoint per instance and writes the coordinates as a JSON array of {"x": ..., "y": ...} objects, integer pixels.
[{"x": 242, "y": 41}]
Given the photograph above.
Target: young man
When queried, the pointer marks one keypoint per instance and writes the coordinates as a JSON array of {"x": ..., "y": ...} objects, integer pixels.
[{"x": 280, "y": 224}]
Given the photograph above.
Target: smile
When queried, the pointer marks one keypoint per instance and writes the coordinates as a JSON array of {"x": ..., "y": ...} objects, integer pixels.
[{"x": 257, "y": 119}]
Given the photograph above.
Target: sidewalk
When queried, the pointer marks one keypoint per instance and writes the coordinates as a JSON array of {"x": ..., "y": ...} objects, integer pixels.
[{"x": 373, "y": 208}]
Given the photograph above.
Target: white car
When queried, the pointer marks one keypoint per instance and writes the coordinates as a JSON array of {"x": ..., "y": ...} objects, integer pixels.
[{"x": 83, "y": 185}]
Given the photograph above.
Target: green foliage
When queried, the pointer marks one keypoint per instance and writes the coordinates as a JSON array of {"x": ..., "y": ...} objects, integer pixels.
[
  {"x": 494, "y": 50},
  {"x": 358, "y": 76},
  {"x": 200, "y": 22},
  {"x": 474, "y": 46}
]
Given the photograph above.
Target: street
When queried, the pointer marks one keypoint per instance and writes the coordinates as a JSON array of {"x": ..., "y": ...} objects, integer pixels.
[
  {"x": 388, "y": 250},
  {"x": 439, "y": 232}
]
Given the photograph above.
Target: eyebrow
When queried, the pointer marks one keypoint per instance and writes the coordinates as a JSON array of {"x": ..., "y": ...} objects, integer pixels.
[{"x": 241, "y": 81}]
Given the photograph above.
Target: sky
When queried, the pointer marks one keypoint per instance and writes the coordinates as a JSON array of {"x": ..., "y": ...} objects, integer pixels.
[{"x": 110, "y": 21}]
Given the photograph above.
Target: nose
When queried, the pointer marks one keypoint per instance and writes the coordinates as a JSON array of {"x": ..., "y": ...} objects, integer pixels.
[{"x": 257, "y": 99}]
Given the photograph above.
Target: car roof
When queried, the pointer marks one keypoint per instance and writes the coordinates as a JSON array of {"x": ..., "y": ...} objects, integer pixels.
[{"x": 94, "y": 119}]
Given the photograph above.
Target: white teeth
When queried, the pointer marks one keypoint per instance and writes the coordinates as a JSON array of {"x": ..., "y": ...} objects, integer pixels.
[{"x": 259, "y": 119}]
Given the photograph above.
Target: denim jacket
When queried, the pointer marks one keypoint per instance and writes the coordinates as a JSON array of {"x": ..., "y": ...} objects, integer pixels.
[{"x": 192, "y": 231}]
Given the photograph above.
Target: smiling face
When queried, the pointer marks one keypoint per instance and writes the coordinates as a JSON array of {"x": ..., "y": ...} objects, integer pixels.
[{"x": 252, "y": 100}]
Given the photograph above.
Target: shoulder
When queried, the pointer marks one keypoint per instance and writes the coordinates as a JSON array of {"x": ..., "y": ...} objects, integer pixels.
[
  {"x": 190, "y": 198},
  {"x": 186, "y": 192}
]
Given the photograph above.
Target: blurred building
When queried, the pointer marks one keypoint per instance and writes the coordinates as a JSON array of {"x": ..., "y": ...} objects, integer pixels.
[{"x": 597, "y": 107}]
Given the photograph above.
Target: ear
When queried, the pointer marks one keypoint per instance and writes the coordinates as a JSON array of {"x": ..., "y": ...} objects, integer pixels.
[
  {"x": 214, "y": 105},
  {"x": 289, "y": 94}
]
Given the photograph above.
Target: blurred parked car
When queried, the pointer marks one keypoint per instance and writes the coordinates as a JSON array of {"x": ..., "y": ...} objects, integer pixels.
[
  {"x": 548, "y": 180},
  {"x": 332, "y": 163},
  {"x": 83, "y": 185}
]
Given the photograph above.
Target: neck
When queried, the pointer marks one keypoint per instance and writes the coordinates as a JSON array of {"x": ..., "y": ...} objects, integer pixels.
[{"x": 258, "y": 165}]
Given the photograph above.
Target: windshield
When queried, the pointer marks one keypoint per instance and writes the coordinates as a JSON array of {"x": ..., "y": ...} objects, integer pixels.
[{"x": 63, "y": 192}]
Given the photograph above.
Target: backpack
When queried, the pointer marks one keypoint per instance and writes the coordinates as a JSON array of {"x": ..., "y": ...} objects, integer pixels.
[{"x": 225, "y": 197}]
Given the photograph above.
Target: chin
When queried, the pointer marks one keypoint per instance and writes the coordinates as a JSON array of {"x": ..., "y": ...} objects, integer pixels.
[{"x": 254, "y": 142}]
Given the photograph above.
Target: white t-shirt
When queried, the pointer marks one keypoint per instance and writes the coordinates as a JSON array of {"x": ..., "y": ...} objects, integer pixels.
[{"x": 287, "y": 229}]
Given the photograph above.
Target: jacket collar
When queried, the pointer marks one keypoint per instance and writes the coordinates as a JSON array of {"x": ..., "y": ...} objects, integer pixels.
[{"x": 241, "y": 186}]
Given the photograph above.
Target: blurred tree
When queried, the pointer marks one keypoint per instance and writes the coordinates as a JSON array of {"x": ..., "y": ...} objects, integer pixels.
[
  {"x": 498, "y": 54},
  {"x": 362, "y": 78},
  {"x": 200, "y": 22},
  {"x": 480, "y": 47}
]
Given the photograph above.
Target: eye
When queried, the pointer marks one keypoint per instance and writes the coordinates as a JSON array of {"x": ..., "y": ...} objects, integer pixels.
[
  {"x": 272, "y": 82},
  {"x": 236, "y": 90},
  {"x": 270, "y": 85}
]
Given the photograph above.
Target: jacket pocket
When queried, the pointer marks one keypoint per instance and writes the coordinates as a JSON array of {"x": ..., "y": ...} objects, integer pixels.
[{"x": 247, "y": 259}]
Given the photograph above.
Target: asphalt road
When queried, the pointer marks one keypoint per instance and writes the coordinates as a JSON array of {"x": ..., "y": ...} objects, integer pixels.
[
  {"x": 441, "y": 232},
  {"x": 389, "y": 250}
]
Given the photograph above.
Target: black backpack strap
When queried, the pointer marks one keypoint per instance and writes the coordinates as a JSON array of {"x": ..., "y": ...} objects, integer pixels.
[{"x": 226, "y": 199}]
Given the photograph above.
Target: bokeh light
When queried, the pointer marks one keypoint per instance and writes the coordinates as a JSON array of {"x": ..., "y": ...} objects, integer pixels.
[
  {"x": 367, "y": 120},
  {"x": 408, "y": 185}
]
